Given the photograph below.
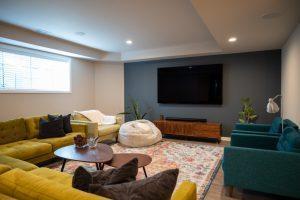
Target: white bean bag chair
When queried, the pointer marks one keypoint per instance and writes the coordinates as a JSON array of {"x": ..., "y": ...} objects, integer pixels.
[{"x": 139, "y": 133}]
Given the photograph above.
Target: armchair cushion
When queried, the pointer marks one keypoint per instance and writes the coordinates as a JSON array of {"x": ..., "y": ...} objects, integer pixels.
[
  {"x": 256, "y": 133},
  {"x": 289, "y": 140},
  {"x": 252, "y": 127},
  {"x": 254, "y": 141}
]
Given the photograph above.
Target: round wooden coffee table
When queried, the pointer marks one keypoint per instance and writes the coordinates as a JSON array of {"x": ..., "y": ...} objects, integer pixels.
[
  {"x": 99, "y": 155},
  {"x": 120, "y": 159}
]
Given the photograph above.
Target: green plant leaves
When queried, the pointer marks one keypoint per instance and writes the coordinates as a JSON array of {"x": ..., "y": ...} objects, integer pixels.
[
  {"x": 134, "y": 110},
  {"x": 247, "y": 115}
]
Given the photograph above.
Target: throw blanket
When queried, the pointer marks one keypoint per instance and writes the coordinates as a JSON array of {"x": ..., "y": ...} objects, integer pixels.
[{"x": 98, "y": 117}]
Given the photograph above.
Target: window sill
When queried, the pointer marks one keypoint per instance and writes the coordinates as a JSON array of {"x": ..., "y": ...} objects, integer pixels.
[{"x": 33, "y": 92}]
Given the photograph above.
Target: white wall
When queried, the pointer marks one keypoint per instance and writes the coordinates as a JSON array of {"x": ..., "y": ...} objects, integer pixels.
[
  {"x": 109, "y": 87},
  {"x": 81, "y": 98},
  {"x": 290, "y": 84}
]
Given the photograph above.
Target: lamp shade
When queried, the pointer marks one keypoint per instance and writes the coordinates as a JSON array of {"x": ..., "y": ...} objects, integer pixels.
[{"x": 272, "y": 107}]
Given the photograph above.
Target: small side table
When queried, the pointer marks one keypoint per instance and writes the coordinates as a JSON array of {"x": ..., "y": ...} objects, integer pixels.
[{"x": 120, "y": 159}]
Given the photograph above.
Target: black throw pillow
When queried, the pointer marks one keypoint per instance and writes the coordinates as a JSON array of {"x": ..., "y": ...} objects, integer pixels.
[
  {"x": 66, "y": 121},
  {"x": 83, "y": 178},
  {"x": 159, "y": 186},
  {"x": 50, "y": 129}
]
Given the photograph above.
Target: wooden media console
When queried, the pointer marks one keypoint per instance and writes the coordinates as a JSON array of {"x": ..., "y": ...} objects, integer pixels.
[{"x": 191, "y": 129}]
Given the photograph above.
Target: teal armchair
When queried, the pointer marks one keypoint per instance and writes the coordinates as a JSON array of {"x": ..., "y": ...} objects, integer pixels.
[
  {"x": 262, "y": 163},
  {"x": 273, "y": 129}
]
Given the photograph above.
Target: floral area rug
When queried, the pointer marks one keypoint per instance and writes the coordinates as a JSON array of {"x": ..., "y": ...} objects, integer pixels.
[{"x": 197, "y": 162}]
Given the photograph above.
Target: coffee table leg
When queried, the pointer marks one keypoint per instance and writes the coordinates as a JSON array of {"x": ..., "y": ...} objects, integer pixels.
[
  {"x": 97, "y": 166},
  {"x": 145, "y": 172},
  {"x": 63, "y": 165},
  {"x": 101, "y": 166}
]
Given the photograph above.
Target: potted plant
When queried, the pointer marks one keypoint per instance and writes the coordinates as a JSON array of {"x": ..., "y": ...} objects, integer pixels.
[
  {"x": 247, "y": 115},
  {"x": 134, "y": 110}
]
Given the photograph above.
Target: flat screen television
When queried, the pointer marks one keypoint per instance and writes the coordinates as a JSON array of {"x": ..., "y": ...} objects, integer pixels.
[{"x": 200, "y": 84}]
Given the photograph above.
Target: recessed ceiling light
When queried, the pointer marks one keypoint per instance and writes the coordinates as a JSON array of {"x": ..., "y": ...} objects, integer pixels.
[
  {"x": 129, "y": 42},
  {"x": 80, "y": 33},
  {"x": 42, "y": 31},
  {"x": 271, "y": 15},
  {"x": 232, "y": 39}
]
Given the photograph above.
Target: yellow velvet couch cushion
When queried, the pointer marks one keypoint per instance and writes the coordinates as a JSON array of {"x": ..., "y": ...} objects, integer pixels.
[
  {"x": 186, "y": 191},
  {"x": 5, "y": 197},
  {"x": 27, "y": 186},
  {"x": 32, "y": 126},
  {"x": 108, "y": 129},
  {"x": 59, "y": 177},
  {"x": 12, "y": 131},
  {"x": 4, "y": 168},
  {"x": 25, "y": 149},
  {"x": 59, "y": 142},
  {"x": 16, "y": 163}
]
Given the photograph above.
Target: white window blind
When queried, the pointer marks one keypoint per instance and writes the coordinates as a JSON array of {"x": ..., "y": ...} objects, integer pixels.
[{"x": 29, "y": 73}]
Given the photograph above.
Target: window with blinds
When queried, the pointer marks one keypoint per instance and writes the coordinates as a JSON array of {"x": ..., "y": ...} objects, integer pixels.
[{"x": 29, "y": 73}]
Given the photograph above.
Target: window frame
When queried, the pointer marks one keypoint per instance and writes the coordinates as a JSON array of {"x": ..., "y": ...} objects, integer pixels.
[{"x": 37, "y": 54}]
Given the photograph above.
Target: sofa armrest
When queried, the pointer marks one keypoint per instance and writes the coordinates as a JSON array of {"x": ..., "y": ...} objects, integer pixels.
[
  {"x": 79, "y": 127},
  {"x": 254, "y": 141},
  {"x": 267, "y": 171},
  {"x": 186, "y": 191},
  {"x": 256, "y": 133},
  {"x": 119, "y": 120},
  {"x": 253, "y": 127},
  {"x": 91, "y": 128}
]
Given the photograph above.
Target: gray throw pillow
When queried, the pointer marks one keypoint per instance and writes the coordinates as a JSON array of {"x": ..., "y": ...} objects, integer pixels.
[
  {"x": 83, "y": 178},
  {"x": 157, "y": 187}
]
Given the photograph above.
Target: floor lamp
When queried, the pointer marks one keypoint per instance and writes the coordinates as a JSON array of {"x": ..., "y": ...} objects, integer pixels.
[{"x": 272, "y": 107}]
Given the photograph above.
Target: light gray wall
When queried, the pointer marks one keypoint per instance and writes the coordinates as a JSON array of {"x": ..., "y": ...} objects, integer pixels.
[
  {"x": 291, "y": 77},
  {"x": 109, "y": 87},
  {"x": 255, "y": 75},
  {"x": 81, "y": 98}
]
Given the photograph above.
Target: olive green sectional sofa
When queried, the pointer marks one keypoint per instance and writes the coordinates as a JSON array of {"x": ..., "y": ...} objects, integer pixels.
[
  {"x": 19, "y": 139},
  {"x": 25, "y": 181}
]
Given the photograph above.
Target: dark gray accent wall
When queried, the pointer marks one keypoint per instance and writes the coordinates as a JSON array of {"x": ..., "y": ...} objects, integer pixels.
[{"x": 256, "y": 75}]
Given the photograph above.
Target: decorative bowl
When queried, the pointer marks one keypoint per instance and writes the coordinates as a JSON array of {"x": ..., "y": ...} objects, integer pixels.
[{"x": 80, "y": 141}]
